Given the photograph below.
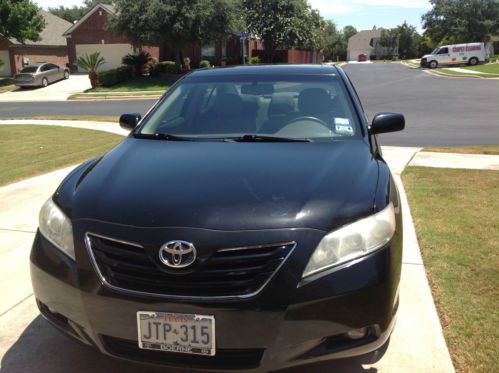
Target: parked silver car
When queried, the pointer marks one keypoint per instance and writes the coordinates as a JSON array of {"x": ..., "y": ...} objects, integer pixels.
[{"x": 40, "y": 75}]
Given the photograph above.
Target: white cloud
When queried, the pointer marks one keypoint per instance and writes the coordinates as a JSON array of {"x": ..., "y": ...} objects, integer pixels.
[{"x": 55, "y": 3}]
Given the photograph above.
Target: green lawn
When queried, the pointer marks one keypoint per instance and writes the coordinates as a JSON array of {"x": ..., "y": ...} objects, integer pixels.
[
  {"x": 29, "y": 150},
  {"x": 456, "y": 213},
  {"x": 448, "y": 71},
  {"x": 6, "y": 84},
  {"x": 137, "y": 84},
  {"x": 489, "y": 69},
  {"x": 95, "y": 118},
  {"x": 478, "y": 149}
]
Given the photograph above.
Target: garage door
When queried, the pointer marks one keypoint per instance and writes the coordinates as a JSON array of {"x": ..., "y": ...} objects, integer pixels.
[
  {"x": 112, "y": 53},
  {"x": 5, "y": 69}
]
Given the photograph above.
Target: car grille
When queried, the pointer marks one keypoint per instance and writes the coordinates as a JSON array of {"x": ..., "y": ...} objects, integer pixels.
[
  {"x": 226, "y": 273},
  {"x": 224, "y": 358}
]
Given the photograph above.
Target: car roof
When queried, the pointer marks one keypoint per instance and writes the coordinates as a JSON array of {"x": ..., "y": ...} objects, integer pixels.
[
  {"x": 284, "y": 69},
  {"x": 36, "y": 64}
]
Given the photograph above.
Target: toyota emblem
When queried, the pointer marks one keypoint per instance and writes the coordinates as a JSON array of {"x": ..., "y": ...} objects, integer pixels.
[{"x": 177, "y": 254}]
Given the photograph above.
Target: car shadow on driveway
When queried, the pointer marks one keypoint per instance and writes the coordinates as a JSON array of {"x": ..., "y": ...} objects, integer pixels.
[{"x": 42, "y": 348}]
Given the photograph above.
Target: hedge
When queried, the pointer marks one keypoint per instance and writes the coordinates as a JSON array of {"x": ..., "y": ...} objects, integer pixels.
[
  {"x": 114, "y": 76},
  {"x": 169, "y": 67}
]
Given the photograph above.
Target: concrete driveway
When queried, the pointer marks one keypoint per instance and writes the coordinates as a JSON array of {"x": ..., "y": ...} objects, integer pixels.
[{"x": 58, "y": 91}]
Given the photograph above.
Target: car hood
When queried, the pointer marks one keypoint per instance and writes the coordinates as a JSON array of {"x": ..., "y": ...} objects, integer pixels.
[{"x": 225, "y": 185}]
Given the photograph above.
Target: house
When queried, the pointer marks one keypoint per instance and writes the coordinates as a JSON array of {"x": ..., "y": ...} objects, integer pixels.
[
  {"x": 50, "y": 47},
  {"x": 367, "y": 42},
  {"x": 92, "y": 34}
]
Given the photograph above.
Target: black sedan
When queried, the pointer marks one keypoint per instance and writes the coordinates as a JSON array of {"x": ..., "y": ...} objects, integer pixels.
[{"x": 249, "y": 222}]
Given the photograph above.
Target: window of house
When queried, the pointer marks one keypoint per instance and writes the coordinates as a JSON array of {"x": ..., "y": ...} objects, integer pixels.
[{"x": 208, "y": 50}]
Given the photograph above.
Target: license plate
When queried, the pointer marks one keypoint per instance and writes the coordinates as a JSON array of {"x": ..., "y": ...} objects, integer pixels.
[{"x": 176, "y": 332}]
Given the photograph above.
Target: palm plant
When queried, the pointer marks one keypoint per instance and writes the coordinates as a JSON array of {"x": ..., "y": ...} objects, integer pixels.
[
  {"x": 91, "y": 63},
  {"x": 137, "y": 61}
]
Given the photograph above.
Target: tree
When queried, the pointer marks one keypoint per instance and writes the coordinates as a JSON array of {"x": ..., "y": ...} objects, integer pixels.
[
  {"x": 409, "y": 40},
  {"x": 20, "y": 19},
  {"x": 75, "y": 13},
  {"x": 91, "y": 63},
  {"x": 284, "y": 24},
  {"x": 461, "y": 21},
  {"x": 389, "y": 41},
  {"x": 176, "y": 23},
  {"x": 348, "y": 32}
]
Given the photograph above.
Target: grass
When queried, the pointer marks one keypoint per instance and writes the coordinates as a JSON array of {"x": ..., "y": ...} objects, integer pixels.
[
  {"x": 93, "y": 118},
  {"x": 137, "y": 84},
  {"x": 456, "y": 214},
  {"x": 478, "y": 149},
  {"x": 447, "y": 71},
  {"x": 6, "y": 84},
  {"x": 487, "y": 69},
  {"x": 33, "y": 150}
]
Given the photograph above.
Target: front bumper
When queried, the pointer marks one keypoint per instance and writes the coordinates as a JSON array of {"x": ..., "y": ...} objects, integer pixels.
[{"x": 291, "y": 322}]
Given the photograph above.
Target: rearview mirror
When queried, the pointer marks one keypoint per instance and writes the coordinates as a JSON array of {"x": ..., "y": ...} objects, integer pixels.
[
  {"x": 387, "y": 122},
  {"x": 129, "y": 121}
]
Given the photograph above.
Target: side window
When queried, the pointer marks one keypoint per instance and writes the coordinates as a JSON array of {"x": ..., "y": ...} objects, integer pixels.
[
  {"x": 53, "y": 67},
  {"x": 45, "y": 68},
  {"x": 443, "y": 51}
]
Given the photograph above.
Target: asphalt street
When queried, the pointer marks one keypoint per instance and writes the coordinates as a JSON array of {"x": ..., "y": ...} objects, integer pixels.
[
  {"x": 438, "y": 110},
  {"x": 104, "y": 107}
]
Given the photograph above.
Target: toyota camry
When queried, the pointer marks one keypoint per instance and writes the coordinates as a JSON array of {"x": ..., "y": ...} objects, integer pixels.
[{"x": 248, "y": 222}]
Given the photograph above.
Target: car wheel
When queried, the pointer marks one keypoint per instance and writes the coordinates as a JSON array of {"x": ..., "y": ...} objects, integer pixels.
[
  {"x": 433, "y": 64},
  {"x": 66, "y": 74},
  {"x": 473, "y": 61},
  {"x": 45, "y": 82}
]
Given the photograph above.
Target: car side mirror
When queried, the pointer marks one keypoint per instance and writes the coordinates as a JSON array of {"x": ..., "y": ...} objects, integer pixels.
[
  {"x": 387, "y": 122},
  {"x": 129, "y": 121}
]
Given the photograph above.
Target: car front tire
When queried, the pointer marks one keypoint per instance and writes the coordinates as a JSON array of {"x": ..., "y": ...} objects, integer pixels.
[
  {"x": 433, "y": 64},
  {"x": 473, "y": 61}
]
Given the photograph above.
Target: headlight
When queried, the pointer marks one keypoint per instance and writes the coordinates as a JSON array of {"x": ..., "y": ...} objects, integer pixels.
[
  {"x": 353, "y": 241},
  {"x": 56, "y": 227}
]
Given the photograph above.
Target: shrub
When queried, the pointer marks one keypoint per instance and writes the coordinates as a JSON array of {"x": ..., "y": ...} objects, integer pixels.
[
  {"x": 372, "y": 57},
  {"x": 204, "y": 63},
  {"x": 254, "y": 60},
  {"x": 137, "y": 61},
  {"x": 123, "y": 73},
  {"x": 108, "y": 78}
]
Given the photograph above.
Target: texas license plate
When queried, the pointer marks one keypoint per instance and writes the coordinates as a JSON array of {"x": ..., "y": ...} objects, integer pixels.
[{"x": 176, "y": 332}]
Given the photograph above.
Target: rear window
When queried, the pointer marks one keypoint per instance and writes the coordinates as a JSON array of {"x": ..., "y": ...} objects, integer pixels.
[
  {"x": 29, "y": 69},
  {"x": 304, "y": 107}
]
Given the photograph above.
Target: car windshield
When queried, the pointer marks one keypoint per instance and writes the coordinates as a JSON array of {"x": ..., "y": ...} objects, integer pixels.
[
  {"x": 29, "y": 69},
  {"x": 435, "y": 51},
  {"x": 287, "y": 107}
]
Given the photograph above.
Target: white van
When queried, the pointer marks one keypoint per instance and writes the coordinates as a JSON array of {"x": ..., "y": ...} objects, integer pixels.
[{"x": 471, "y": 53}]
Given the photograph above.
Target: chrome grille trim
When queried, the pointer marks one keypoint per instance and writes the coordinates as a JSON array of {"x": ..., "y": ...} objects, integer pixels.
[{"x": 118, "y": 289}]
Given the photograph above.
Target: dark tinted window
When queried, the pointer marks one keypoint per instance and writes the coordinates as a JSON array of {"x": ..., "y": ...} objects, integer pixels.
[
  {"x": 29, "y": 69},
  {"x": 309, "y": 107}
]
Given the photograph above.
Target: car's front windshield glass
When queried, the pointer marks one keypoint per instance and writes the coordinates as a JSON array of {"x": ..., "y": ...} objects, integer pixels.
[
  {"x": 435, "y": 51},
  {"x": 29, "y": 69},
  {"x": 293, "y": 107}
]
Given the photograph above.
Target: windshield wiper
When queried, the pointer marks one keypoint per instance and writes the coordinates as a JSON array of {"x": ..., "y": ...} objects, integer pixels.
[
  {"x": 163, "y": 136},
  {"x": 264, "y": 138}
]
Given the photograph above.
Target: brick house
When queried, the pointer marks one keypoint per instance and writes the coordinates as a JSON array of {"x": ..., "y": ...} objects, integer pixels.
[
  {"x": 51, "y": 47},
  {"x": 92, "y": 34}
]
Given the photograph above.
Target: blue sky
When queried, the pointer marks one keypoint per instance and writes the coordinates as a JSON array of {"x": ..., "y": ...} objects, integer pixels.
[{"x": 363, "y": 14}]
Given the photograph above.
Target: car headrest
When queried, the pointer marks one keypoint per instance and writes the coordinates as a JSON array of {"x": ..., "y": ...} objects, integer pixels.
[
  {"x": 228, "y": 105},
  {"x": 313, "y": 101},
  {"x": 281, "y": 105}
]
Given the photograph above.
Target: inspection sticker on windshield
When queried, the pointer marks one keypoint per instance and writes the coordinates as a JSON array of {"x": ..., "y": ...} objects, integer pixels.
[{"x": 343, "y": 126}]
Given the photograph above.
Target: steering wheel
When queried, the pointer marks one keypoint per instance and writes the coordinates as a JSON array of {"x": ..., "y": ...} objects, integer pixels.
[
  {"x": 308, "y": 119},
  {"x": 314, "y": 128}
]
